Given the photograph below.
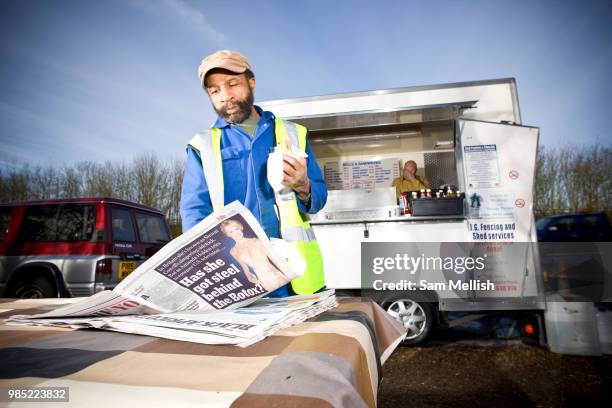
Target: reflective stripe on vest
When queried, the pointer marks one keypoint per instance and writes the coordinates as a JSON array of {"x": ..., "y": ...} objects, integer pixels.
[
  {"x": 294, "y": 227},
  {"x": 293, "y": 234},
  {"x": 284, "y": 129},
  {"x": 208, "y": 143}
]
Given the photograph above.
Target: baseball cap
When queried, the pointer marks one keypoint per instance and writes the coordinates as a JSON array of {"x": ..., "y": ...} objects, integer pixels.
[{"x": 231, "y": 60}]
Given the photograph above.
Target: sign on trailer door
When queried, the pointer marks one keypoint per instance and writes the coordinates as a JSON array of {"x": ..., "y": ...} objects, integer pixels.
[{"x": 496, "y": 166}]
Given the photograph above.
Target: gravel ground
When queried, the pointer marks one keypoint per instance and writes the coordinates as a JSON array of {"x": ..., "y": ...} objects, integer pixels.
[{"x": 495, "y": 375}]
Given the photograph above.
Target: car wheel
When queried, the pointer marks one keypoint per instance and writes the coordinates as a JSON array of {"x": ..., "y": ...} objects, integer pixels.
[
  {"x": 416, "y": 317},
  {"x": 34, "y": 287}
]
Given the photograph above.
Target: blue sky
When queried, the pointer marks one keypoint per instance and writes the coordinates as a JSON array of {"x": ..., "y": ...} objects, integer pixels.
[{"x": 107, "y": 80}]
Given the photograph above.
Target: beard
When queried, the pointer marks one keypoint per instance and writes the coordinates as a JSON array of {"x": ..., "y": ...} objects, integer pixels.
[{"x": 244, "y": 109}]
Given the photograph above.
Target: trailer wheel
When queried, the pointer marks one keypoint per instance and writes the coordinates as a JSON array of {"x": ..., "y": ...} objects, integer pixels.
[
  {"x": 33, "y": 287},
  {"x": 416, "y": 317}
]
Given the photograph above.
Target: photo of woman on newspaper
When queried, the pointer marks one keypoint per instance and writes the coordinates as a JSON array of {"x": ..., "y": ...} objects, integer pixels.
[{"x": 253, "y": 258}]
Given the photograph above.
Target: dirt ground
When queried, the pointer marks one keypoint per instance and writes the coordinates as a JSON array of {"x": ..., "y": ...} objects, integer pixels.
[{"x": 493, "y": 376}]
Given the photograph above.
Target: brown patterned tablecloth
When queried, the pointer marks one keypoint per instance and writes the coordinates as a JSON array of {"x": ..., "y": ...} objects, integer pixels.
[{"x": 333, "y": 360}]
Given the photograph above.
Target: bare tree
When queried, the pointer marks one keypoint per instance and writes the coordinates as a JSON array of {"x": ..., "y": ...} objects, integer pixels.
[
  {"x": 541, "y": 197},
  {"x": 124, "y": 185},
  {"x": 567, "y": 179},
  {"x": 86, "y": 171},
  {"x": 573, "y": 179},
  {"x": 15, "y": 185},
  {"x": 71, "y": 182},
  {"x": 548, "y": 190},
  {"x": 150, "y": 180},
  {"x": 44, "y": 183},
  {"x": 595, "y": 166},
  {"x": 97, "y": 178},
  {"x": 175, "y": 169}
]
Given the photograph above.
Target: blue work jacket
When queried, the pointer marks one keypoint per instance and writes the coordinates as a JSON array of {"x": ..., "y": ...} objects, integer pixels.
[{"x": 244, "y": 161}]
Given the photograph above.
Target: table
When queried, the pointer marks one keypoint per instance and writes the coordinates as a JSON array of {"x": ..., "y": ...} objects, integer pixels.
[{"x": 333, "y": 360}]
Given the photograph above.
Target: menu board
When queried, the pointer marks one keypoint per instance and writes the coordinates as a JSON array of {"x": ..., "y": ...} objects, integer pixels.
[
  {"x": 482, "y": 166},
  {"x": 361, "y": 174}
]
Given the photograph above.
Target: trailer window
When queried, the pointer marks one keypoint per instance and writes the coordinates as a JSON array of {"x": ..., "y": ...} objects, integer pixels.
[
  {"x": 122, "y": 227},
  {"x": 372, "y": 158},
  {"x": 151, "y": 228}
]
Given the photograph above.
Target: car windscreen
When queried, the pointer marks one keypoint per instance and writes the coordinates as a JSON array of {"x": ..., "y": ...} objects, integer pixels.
[
  {"x": 152, "y": 228},
  {"x": 58, "y": 223}
]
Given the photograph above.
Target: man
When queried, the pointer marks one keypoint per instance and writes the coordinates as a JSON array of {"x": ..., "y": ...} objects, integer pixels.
[
  {"x": 247, "y": 135},
  {"x": 409, "y": 180}
]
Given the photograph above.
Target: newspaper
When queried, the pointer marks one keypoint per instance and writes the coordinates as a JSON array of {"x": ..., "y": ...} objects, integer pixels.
[
  {"x": 242, "y": 326},
  {"x": 197, "y": 286}
]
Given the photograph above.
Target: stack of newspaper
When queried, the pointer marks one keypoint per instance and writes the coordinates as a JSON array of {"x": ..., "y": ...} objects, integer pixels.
[
  {"x": 206, "y": 286},
  {"x": 243, "y": 326}
]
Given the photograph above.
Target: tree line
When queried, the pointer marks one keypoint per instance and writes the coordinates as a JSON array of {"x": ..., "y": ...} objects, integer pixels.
[
  {"x": 148, "y": 180},
  {"x": 567, "y": 179},
  {"x": 573, "y": 179}
]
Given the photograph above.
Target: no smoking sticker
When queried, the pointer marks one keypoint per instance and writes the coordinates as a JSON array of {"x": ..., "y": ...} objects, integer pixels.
[
  {"x": 513, "y": 174},
  {"x": 519, "y": 203}
]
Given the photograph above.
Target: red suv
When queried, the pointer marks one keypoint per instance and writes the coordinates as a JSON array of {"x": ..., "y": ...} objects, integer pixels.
[{"x": 74, "y": 247}]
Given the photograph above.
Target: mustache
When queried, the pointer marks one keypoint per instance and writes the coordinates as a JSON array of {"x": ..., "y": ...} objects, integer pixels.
[{"x": 244, "y": 109}]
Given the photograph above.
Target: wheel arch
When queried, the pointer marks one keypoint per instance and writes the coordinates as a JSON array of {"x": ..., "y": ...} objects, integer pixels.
[{"x": 38, "y": 268}]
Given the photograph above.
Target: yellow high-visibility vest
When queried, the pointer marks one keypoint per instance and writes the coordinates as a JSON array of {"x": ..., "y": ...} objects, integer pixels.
[{"x": 294, "y": 227}]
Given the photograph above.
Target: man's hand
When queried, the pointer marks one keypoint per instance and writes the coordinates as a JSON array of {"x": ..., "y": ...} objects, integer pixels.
[{"x": 296, "y": 176}]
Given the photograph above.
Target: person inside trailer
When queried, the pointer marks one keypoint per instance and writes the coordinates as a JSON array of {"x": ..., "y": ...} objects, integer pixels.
[{"x": 409, "y": 181}]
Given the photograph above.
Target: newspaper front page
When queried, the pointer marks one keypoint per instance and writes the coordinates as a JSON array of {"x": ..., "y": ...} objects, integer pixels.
[{"x": 197, "y": 286}]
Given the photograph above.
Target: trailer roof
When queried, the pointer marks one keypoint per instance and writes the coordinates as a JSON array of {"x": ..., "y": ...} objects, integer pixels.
[
  {"x": 494, "y": 100},
  {"x": 511, "y": 81}
]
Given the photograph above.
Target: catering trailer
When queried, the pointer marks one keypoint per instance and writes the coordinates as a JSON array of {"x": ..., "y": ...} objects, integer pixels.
[{"x": 469, "y": 143}]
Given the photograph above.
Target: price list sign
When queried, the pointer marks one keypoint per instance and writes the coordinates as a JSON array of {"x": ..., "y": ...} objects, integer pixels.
[
  {"x": 360, "y": 174},
  {"x": 482, "y": 166}
]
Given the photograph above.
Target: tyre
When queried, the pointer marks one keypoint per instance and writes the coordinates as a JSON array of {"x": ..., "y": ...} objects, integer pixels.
[
  {"x": 33, "y": 287},
  {"x": 416, "y": 317}
]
